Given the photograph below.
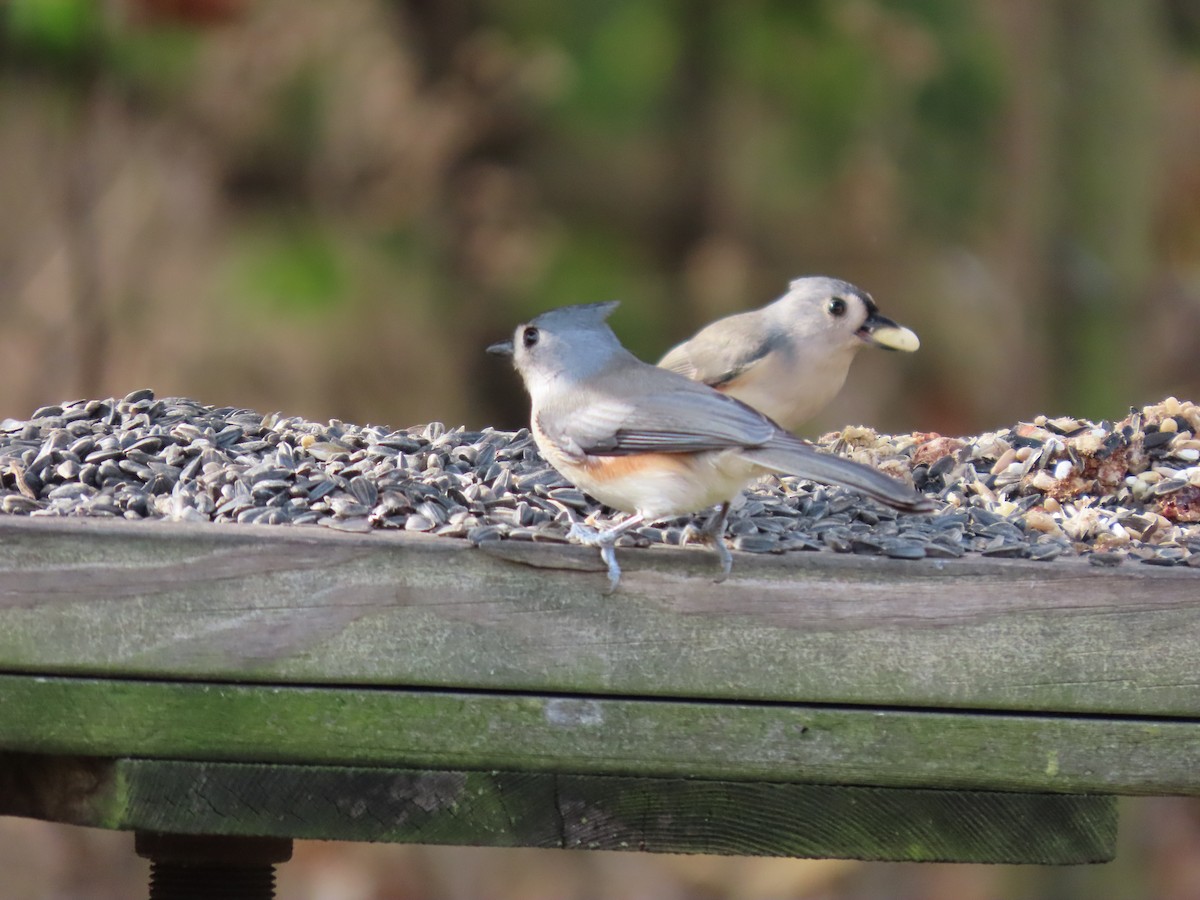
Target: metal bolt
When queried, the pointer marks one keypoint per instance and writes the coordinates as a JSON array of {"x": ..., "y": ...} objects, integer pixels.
[{"x": 212, "y": 867}]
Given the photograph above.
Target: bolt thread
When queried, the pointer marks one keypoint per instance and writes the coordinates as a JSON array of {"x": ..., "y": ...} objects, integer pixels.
[{"x": 174, "y": 881}]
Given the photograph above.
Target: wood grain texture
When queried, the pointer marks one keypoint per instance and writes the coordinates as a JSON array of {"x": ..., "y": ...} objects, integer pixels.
[
  {"x": 305, "y": 605},
  {"x": 603, "y": 736},
  {"x": 508, "y": 809}
]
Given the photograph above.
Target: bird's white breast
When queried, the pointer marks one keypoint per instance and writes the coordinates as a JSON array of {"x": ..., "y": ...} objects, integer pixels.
[{"x": 792, "y": 388}]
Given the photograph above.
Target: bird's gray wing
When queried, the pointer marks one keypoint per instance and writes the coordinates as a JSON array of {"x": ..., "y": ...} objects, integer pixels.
[
  {"x": 722, "y": 351},
  {"x": 644, "y": 409},
  {"x": 786, "y": 454},
  {"x": 661, "y": 413}
]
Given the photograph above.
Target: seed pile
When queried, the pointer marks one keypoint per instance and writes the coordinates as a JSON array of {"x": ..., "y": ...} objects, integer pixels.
[{"x": 1129, "y": 490}]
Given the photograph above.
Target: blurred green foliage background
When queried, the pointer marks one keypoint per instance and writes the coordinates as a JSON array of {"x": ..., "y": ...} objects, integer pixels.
[{"x": 330, "y": 208}]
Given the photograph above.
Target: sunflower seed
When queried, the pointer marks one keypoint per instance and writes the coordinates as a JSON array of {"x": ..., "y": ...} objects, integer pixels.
[
  {"x": 484, "y": 533},
  {"x": 354, "y": 525},
  {"x": 1001, "y": 549},
  {"x": 904, "y": 550},
  {"x": 940, "y": 550},
  {"x": 757, "y": 543}
]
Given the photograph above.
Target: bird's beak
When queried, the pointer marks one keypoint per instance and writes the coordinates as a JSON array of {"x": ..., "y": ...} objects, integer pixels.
[
  {"x": 501, "y": 348},
  {"x": 883, "y": 332}
]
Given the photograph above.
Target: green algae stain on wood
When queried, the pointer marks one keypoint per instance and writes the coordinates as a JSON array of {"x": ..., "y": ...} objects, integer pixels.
[
  {"x": 521, "y": 809},
  {"x": 603, "y": 736}
]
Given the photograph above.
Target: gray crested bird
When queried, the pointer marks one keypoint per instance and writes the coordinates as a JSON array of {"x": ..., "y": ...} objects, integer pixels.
[
  {"x": 789, "y": 358},
  {"x": 647, "y": 441}
]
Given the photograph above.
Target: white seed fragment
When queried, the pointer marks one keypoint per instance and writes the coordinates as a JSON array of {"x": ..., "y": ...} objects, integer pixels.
[{"x": 1043, "y": 481}]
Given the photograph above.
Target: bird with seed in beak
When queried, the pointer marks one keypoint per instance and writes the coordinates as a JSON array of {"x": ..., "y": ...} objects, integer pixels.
[{"x": 789, "y": 358}]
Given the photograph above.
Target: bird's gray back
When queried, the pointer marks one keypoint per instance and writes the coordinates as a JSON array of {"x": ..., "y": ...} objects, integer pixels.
[{"x": 723, "y": 350}]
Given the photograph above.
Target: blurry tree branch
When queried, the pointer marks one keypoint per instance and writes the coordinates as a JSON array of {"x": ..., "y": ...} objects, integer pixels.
[{"x": 82, "y": 191}]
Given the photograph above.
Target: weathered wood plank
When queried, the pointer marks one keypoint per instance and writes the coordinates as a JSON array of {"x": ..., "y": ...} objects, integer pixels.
[
  {"x": 609, "y": 736},
  {"x": 309, "y": 606},
  {"x": 544, "y": 810}
]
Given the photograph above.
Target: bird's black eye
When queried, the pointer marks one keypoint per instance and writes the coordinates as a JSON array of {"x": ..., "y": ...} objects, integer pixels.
[
  {"x": 837, "y": 307},
  {"x": 530, "y": 336}
]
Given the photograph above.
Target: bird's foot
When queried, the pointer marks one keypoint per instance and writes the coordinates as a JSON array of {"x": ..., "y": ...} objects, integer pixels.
[
  {"x": 711, "y": 533},
  {"x": 702, "y": 534},
  {"x": 723, "y": 554},
  {"x": 606, "y": 540},
  {"x": 692, "y": 534},
  {"x": 582, "y": 533}
]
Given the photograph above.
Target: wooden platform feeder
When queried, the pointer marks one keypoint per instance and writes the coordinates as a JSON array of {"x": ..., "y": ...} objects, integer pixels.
[{"x": 221, "y": 690}]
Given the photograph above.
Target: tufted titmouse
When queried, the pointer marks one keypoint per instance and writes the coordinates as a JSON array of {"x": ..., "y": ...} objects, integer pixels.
[
  {"x": 789, "y": 358},
  {"x": 648, "y": 441}
]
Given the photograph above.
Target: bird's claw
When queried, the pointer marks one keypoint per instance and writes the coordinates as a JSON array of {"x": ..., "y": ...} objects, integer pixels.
[
  {"x": 606, "y": 541},
  {"x": 719, "y": 545},
  {"x": 608, "y": 553},
  {"x": 691, "y": 532},
  {"x": 711, "y": 533},
  {"x": 584, "y": 534}
]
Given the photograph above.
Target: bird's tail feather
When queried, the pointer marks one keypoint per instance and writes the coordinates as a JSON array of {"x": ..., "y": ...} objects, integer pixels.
[{"x": 791, "y": 456}]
